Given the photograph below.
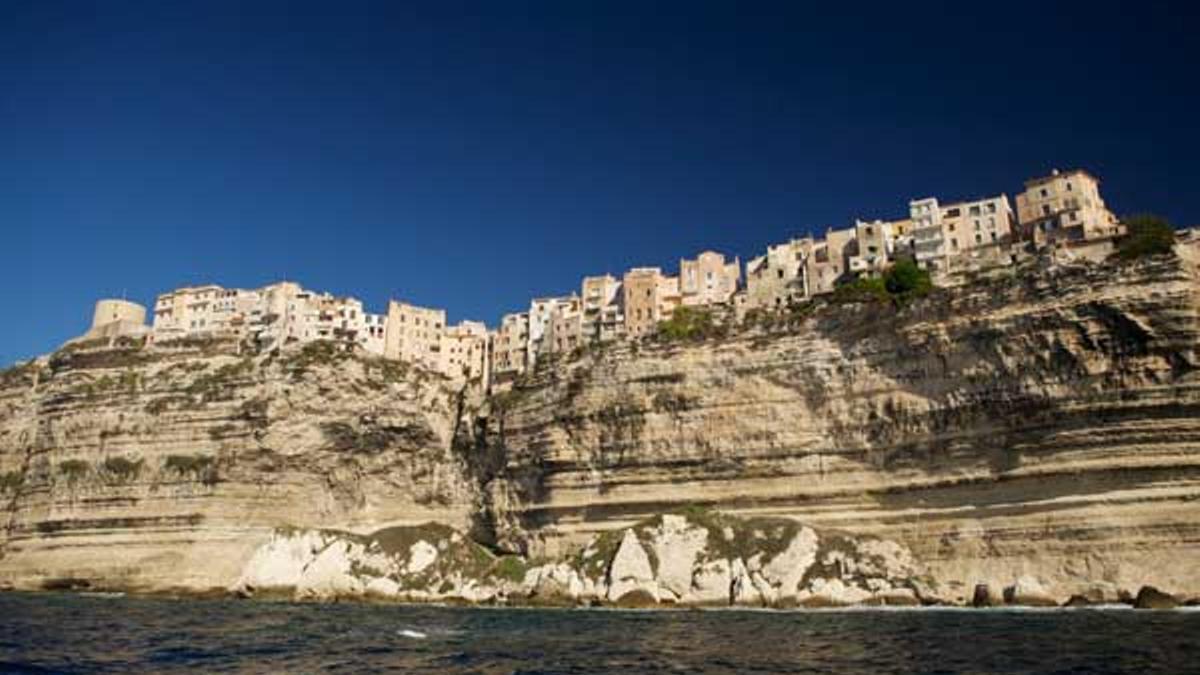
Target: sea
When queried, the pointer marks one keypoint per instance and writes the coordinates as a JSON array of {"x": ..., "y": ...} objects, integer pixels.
[{"x": 80, "y": 633}]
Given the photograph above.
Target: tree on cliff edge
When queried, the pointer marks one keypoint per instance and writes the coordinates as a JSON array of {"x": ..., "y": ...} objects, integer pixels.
[{"x": 1146, "y": 235}]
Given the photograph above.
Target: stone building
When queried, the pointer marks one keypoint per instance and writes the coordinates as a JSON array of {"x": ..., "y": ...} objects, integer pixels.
[
  {"x": 708, "y": 279},
  {"x": 540, "y": 312},
  {"x": 872, "y": 248},
  {"x": 947, "y": 236},
  {"x": 113, "y": 319},
  {"x": 510, "y": 347},
  {"x": 1065, "y": 206},
  {"x": 464, "y": 352},
  {"x": 603, "y": 317},
  {"x": 648, "y": 297},
  {"x": 414, "y": 334},
  {"x": 564, "y": 332}
]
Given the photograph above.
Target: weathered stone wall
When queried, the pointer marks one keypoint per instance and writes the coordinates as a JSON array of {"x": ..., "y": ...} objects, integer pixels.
[
  {"x": 166, "y": 467},
  {"x": 1042, "y": 422}
]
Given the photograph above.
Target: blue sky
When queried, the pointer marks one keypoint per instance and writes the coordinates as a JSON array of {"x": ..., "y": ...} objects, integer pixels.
[{"x": 473, "y": 155}]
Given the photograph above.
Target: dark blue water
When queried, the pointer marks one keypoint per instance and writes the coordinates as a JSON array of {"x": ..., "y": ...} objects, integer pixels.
[{"x": 68, "y": 633}]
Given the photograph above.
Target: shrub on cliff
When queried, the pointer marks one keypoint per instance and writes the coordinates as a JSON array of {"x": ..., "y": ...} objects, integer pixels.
[
  {"x": 689, "y": 323},
  {"x": 1146, "y": 235},
  {"x": 903, "y": 282}
]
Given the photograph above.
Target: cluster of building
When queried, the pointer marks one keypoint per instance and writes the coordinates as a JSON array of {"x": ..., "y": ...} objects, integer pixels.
[{"x": 1063, "y": 210}]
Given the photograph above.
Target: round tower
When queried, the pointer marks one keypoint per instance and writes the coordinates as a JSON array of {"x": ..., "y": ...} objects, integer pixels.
[{"x": 108, "y": 311}]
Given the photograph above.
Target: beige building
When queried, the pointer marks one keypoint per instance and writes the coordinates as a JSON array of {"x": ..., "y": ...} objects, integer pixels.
[
  {"x": 797, "y": 270},
  {"x": 414, "y": 334},
  {"x": 564, "y": 332},
  {"x": 603, "y": 317},
  {"x": 945, "y": 236},
  {"x": 464, "y": 353},
  {"x": 114, "y": 319},
  {"x": 510, "y": 347},
  {"x": 708, "y": 279},
  {"x": 1065, "y": 206},
  {"x": 540, "y": 312},
  {"x": 648, "y": 297},
  {"x": 872, "y": 247}
]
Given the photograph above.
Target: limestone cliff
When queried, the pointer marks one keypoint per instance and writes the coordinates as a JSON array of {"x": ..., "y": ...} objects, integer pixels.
[
  {"x": 168, "y": 466},
  {"x": 1024, "y": 437},
  {"x": 1042, "y": 423}
]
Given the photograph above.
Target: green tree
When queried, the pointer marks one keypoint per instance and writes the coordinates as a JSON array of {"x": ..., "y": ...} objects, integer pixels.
[
  {"x": 905, "y": 279},
  {"x": 1145, "y": 235}
]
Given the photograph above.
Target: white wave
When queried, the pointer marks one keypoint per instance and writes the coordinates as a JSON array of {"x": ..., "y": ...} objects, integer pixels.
[{"x": 414, "y": 634}]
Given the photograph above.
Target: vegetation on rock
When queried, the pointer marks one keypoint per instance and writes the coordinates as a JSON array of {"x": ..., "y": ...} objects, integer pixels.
[
  {"x": 690, "y": 323},
  {"x": 1146, "y": 235}
]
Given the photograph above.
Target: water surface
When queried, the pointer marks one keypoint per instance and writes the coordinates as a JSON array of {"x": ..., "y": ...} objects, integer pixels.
[{"x": 53, "y": 632}]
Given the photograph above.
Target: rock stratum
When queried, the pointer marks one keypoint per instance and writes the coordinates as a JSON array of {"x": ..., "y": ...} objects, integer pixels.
[{"x": 1028, "y": 437}]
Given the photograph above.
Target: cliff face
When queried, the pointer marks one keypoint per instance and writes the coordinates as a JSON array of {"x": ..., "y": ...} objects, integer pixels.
[
  {"x": 1044, "y": 424},
  {"x": 1037, "y": 431},
  {"x": 167, "y": 467}
]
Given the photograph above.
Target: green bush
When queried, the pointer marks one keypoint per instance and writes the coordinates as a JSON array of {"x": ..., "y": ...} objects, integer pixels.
[
  {"x": 1145, "y": 235},
  {"x": 904, "y": 281},
  {"x": 688, "y": 323}
]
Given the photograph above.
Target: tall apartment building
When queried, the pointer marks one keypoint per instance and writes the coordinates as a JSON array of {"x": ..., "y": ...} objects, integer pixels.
[
  {"x": 564, "y": 332},
  {"x": 778, "y": 278},
  {"x": 708, "y": 279},
  {"x": 414, "y": 334},
  {"x": 648, "y": 297},
  {"x": 943, "y": 235},
  {"x": 540, "y": 312},
  {"x": 464, "y": 352},
  {"x": 1065, "y": 206},
  {"x": 603, "y": 317},
  {"x": 510, "y": 347},
  {"x": 185, "y": 311},
  {"x": 798, "y": 269},
  {"x": 872, "y": 248}
]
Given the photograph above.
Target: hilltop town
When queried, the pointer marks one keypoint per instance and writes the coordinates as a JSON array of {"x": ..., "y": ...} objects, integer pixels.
[{"x": 1061, "y": 214}]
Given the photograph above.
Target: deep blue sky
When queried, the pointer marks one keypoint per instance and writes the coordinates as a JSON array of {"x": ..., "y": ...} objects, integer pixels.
[{"x": 471, "y": 156}]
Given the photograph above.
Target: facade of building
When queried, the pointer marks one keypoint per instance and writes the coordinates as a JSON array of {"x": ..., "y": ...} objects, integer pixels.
[
  {"x": 564, "y": 332},
  {"x": 648, "y": 297},
  {"x": 464, "y": 352},
  {"x": 708, "y": 279},
  {"x": 778, "y": 278},
  {"x": 414, "y": 334},
  {"x": 603, "y": 316},
  {"x": 873, "y": 243},
  {"x": 945, "y": 236},
  {"x": 1065, "y": 206},
  {"x": 510, "y": 347},
  {"x": 540, "y": 312}
]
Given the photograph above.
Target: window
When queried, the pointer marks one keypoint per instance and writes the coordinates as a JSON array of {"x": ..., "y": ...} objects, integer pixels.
[
  {"x": 974, "y": 210},
  {"x": 1044, "y": 193},
  {"x": 977, "y": 223},
  {"x": 1045, "y": 209},
  {"x": 954, "y": 244},
  {"x": 870, "y": 231},
  {"x": 1068, "y": 187},
  {"x": 953, "y": 213},
  {"x": 978, "y": 239},
  {"x": 993, "y": 236},
  {"x": 991, "y": 222},
  {"x": 992, "y": 207}
]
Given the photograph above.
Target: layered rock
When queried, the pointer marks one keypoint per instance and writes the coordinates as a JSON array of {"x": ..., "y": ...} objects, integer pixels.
[
  {"x": 695, "y": 558},
  {"x": 1041, "y": 425},
  {"x": 167, "y": 466},
  {"x": 1029, "y": 438}
]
